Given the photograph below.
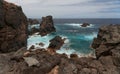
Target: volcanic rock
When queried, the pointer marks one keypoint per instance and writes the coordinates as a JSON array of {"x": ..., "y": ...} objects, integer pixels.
[
  {"x": 31, "y": 61},
  {"x": 107, "y": 40},
  {"x": 47, "y": 25},
  {"x": 33, "y": 31},
  {"x": 85, "y": 24},
  {"x": 56, "y": 42},
  {"x": 32, "y": 21},
  {"x": 13, "y": 27}
]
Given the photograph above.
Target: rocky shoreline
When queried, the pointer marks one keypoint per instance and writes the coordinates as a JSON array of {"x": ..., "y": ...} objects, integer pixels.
[{"x": 16, "y": 59}]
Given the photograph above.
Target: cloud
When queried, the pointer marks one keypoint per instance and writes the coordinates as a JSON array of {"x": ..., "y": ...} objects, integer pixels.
[{"x": 70, "y": 8}]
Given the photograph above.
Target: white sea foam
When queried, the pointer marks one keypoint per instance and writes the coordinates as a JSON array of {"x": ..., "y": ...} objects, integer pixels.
[
  {"x": 79, "y": 25},
  {"x": 69, "y": 51},
  {"x": 36, "y": 39}
]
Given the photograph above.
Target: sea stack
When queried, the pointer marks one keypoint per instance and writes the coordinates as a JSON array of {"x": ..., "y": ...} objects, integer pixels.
[
  {"x": 47, "y": 25},
  {"x": 13, "y": 27},
  {"x": 85, "y": 25}
]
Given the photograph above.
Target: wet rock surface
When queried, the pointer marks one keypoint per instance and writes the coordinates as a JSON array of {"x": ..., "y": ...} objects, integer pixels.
[
  {"x": 47, "y": 25},
  {"x": 13, "y": 27}
]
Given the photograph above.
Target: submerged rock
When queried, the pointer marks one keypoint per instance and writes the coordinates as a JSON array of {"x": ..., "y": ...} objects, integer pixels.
[
  {"x": 47, "y": 25},
  {"x": 13, "y": 27}
]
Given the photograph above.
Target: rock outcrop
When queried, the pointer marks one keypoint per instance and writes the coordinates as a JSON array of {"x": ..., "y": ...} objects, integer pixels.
[
  {"x": 13, "y": 27},
  {"x": 47, "y": 25},
  {"x": 85, "y": 25},
  {"x": 55, "y": 44},
  {"x": 32, "y": 21},
  {"x": 23, "y": 61}
]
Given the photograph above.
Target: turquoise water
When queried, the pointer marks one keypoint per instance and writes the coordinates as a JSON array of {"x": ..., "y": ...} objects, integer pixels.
[{"x": 78, "y": 39}]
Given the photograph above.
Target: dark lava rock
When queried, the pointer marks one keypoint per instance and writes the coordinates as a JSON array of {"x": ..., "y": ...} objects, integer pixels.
[
  {"x": 73, "y": 56},
  {"x": 56, "y": 43},
  {"x": 47, "y": 25},
  {"x": 32, "y": 47},
  {"x": 33, "y": 31},
  {"x": 32, "y": 21},
  {"x": 85, "y": 24},
  {"x": 107, "y": 40},
  {"x": 13, "y": 27}
]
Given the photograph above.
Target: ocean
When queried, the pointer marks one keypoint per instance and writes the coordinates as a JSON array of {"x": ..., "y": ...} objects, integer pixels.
[{"x": 78, "y": 39}]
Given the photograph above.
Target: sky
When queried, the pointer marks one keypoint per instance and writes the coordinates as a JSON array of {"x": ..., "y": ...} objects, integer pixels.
[{"x": 70, "y": 8}]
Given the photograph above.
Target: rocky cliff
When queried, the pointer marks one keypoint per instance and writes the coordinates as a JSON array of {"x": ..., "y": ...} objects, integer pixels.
[
  {"x": 13, "y": 27},
  {"x": 47, "y": 25}
]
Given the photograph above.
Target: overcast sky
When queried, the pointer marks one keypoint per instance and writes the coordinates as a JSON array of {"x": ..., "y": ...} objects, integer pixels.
[{"x": 70, "y": 8}]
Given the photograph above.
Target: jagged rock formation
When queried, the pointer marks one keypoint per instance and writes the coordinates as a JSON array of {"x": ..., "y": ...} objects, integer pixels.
[
  {"x": 55, "y": 44},
  {"x": 13, "y": 27},
  {"x": 106, "y": 45},
  {"x": 32, "y": 21},
  {"x": 107, "y": 61},
  {"x": 47, "y": 25}
]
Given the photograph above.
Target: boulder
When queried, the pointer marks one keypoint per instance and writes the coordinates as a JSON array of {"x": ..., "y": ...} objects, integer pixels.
[
  {"x": 47, "y": 25},
  {"x": 13, "y": 27},
  {"x": 31, "y": 61}
]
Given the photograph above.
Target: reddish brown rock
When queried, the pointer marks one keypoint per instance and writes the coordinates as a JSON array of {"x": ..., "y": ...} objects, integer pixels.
[
  {"x": 13, "y": 27},
  {"x": 47, "y": 25}
]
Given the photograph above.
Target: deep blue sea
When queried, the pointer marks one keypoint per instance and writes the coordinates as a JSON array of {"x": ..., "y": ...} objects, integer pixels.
[{"x": 79, "y": 38}]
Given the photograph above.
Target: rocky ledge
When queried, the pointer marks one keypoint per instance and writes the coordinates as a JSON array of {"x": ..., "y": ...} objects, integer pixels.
[
  {"x": 47, "y": 25},
  {"x": 13, "y": 27},
  {"x": 107, "y": 61}
]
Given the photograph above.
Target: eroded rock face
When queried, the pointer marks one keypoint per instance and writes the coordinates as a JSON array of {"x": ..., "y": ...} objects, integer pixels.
[
  {"x": 47, "y": 26},
  {"x": 107, "y": 41},
  {"x": 13, "y": 27}
]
